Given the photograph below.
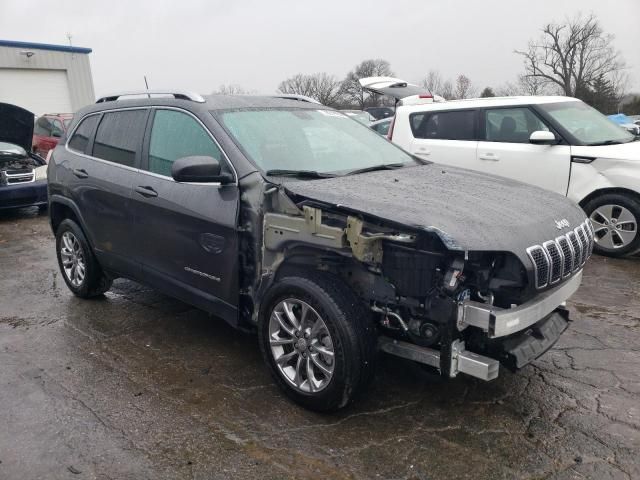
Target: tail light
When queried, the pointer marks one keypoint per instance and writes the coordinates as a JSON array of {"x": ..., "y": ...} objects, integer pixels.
[
  {"x": 425, "y": 96},
  {"x": 390, "y": 132}
]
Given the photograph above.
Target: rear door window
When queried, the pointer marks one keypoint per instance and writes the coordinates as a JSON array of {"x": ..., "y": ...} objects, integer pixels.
[
  {"x": 452, "y": 125},
  {"x": 176, "y": 135},
  {"x": 119, "y": 136},
  {"x": 82, "y": 134},
  {"x": 511, "y": 125}
]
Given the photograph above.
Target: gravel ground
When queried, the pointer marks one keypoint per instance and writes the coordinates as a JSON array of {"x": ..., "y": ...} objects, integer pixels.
[{"x": 136, "y": 385}]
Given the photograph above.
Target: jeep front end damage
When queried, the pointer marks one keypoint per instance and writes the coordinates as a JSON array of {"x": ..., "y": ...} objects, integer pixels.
[{"x": 460, "y": 312}]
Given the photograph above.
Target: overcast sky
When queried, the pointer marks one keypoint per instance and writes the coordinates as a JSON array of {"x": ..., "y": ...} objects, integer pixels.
[{"x": 201, "y": 44}]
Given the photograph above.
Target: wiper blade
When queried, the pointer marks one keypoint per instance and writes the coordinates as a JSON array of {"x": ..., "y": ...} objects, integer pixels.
[
  {"x": 606, "y": 142},
  {"x": 298, "y": 173},
  {"x": 383, "y": 166}
]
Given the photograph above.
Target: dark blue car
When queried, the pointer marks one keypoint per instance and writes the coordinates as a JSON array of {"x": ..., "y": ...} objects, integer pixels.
[{"x": 23, "y": 175}]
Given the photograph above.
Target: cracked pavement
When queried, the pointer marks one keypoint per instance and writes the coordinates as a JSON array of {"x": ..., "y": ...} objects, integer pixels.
[{"x": 137, "y": 385}]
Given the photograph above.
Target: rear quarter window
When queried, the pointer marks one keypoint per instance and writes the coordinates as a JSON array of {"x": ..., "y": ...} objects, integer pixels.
[
  {"x": 80, "y": 139},
  {"x": 452, "y": 125}
]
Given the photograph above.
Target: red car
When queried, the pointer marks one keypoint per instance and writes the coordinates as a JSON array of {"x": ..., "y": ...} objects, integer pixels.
[{"x": 48, "y": 130}]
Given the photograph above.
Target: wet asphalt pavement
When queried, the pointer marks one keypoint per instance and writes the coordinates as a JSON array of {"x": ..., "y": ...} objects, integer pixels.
[{"x": 136, "y": 385}]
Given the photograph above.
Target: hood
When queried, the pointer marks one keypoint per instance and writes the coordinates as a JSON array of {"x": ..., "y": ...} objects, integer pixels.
[
  {"x": 468, "y": 210},
  {"x": 16, "y": 126},
  {"x": 624, "y": 151}
]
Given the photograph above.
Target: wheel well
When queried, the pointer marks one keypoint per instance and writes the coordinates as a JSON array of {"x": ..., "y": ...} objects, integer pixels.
[
  {"x": 59, "y": 212},
  {"x": 604, "y": 191}
]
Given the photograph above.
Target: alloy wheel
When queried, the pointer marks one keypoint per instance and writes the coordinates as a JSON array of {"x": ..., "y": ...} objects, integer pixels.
[
  {"x": 73, "y": 261},
  {"x": 301, "y": 345},
  {"x": 615, "y": 226}
]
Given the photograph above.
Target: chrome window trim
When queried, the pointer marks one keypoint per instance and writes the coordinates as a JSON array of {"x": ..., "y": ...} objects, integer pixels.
[
  {"x": 545, "y": 247},
  {"x": 164, "y": 177}
]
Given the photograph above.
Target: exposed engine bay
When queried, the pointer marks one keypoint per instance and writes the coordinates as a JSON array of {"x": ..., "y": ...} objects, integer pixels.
[
  {"x": 17, "y": 166},
  {"x": 413, "y": 284}
]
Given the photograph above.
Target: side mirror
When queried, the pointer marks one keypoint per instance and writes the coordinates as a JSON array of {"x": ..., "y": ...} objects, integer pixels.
[
  {"x": 542, "y": 137},
  {"x": 199, "y": 169}
]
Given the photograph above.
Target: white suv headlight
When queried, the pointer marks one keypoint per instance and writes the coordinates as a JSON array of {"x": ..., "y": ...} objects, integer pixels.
[{"x": 40, "y": 172}]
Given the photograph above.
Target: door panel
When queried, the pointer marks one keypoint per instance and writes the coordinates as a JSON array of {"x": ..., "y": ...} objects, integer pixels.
[
  {"x": 546, "y": 166},
  {"x": 187, "y": 234},
  {"x": 102, "y": 172},
  {"x": 505, "y": 150},
  {"x": 447, "y": 137},
  {"x": 458, "y": 153},
  {"x": 187, "y": 231}
]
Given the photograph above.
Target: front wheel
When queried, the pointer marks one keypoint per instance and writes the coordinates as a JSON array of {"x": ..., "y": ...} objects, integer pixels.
[
  {"x": 615, "y": 220},
  {"x": 318, "y": 340}
]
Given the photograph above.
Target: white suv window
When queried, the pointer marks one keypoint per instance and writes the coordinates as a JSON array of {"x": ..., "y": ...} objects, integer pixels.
[
  {"x": 452, "y": 125},
  {"x": 511, "y": 125}
]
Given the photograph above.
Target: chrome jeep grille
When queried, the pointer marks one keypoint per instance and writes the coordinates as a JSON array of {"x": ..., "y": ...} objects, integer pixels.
[{"x": 557, "y": 259}]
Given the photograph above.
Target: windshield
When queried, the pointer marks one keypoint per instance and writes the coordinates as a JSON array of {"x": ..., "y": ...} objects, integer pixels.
[
  {"x": 586, "y": 124},
  {"x": 322, "y": 141},
  {"x": 67, "y": 122}
]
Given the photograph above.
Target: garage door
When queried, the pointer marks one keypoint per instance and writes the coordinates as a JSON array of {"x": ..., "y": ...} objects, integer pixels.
[{"x": 40, "y": 91}]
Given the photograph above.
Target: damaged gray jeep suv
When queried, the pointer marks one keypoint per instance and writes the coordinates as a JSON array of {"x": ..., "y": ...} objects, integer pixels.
[{"x": 290, "y": 219}]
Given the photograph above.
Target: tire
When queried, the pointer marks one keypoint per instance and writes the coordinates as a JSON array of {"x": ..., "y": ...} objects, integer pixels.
[
  {"x": 615, "y": 218},
  {"x": 75, "y": 257},
  {"x": 351, "y": 338}
]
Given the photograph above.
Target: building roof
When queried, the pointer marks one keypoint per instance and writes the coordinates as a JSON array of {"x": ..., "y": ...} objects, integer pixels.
[{"x": 44, "y": 46}]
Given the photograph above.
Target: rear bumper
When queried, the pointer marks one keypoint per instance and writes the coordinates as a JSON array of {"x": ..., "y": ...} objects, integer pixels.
[{"x": 23, "y": 195}]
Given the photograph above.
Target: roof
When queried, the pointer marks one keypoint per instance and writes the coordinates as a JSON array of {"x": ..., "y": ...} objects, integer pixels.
[
  {"x": 44, "y": 46},
  {"x": 212, "y": 102},
  {"x": 489, "y": 102}
]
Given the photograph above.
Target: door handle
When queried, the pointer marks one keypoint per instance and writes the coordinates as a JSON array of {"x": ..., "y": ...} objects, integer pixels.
[
  {"x": 422, "y": 151},
  {"x": 80, "y": 173},
  {"x": 146, "y": 191},
  {"x": 492, "y": 157}
]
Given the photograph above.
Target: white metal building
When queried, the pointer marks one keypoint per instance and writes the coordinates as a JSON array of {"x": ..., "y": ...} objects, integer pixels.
[{"x": 45, "y": 78}]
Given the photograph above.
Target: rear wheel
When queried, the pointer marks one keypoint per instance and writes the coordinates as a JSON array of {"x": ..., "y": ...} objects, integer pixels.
[
  {"x": 318, "y": 340},
  {"x": 615, "y": 218},
  {"x": 78, "y": 265}
]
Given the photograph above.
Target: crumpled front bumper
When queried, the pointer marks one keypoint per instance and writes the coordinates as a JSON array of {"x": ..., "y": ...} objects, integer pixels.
[
  {"x": 23, "y": 195},
  {"x": 501, "y": 322},
  {"x": 514, "y": 336}
]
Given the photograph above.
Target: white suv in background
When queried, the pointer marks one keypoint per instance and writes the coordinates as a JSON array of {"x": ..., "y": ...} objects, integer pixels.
[{"x": 557, "y": 143}]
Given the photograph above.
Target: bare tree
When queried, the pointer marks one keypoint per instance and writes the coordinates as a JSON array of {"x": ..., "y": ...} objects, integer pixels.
[
  {"x": 572, "y": 55},
  {"x": 299, "y": 84},
  {"x": 433, "y": 82},
  {"x": 532, "y": 85},
  {"x": 320, "y": 86},
  {"x": 351, "y": 88},
  {"x": 447, "y": 90},
  {"x": 464, "y": 88},
  {"x": 509, "y": 89},
  {"x": 230, "y": 89}
]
